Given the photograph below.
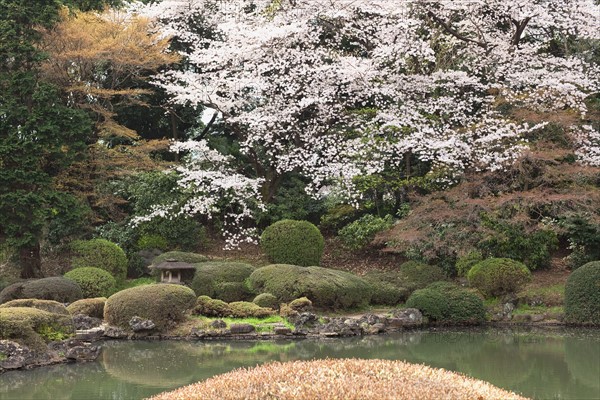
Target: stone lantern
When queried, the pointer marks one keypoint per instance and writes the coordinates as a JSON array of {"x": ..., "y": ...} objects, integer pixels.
[{"x": 173, "y": 271}]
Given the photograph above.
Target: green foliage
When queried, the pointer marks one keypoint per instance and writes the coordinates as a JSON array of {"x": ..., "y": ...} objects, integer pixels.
[
  {"x": 190, "y": 258},
  {"x": 446, "y": 303},
  {"x": 511, "y": 241},
  {"x": 293, "y": 242},
  {"x": 584, "y": 240},
  {"x": 211, "y": 307},
  {"x": 416, "y": 275},
  {"x": 222, "y": 280},
  {"x": 55, "y": 288},
  {"x": 100, "y": 253},
  {"x": 90, "y": 307},
  {"x": 388, "y": 287},
  {"x": 45, "y": 305},
  {"x": 138, "y": 282},
  {"x": 266, "y": 300},
  {"x": 245, "y": 309},
  {"x": 337, "y": 216},
  {"x": 50, "y": 334},
  {"x": 582, "y": 295},
  {"x": 25, "y": 325},
  {"x": 94, "y": 282},
  {"x": 152, "y": 242},
  {"x": 164, "y": 304},
  {"x": 466, "y": 262},
  {"x": 301, "y": 304},
  {"x": 326, "y": 288},
  {"x": 361, "y": 232},
  {"x": 498, "y": 276},
  {"x": 179, "y": 233}
]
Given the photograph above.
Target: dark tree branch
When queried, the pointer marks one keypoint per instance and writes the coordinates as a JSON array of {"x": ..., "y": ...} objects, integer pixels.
[
  {"x": 454, "y": 32},
  {"x": 520, "y": 25}
]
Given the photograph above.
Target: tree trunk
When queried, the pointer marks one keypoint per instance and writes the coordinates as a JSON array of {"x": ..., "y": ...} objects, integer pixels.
[{"x": 30, "y": 261}]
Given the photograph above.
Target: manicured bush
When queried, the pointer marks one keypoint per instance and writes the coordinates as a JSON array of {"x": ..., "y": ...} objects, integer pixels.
[
  {"x": 164, "y": 304},
  {"x": 245, "y": 309},
  {"x": 293, "y": 242},
  {"x": 360, "y": 233},
  {"x": 183, "y": 256},
  {"x": 446, "y": 303},
  {"x": 388, "y": 287},
  {"x": 100, "y": 253},
  {"x": 582, "y": 295},
  {"x": 498, "y": 276},
  {"x": 327, "y": 288},
  {"x": 266, "y": 300},
  {"x": 222, "y": 280},
  {"x": 45, "y": 305},
  {"x": 55, "y": 288},
  {"x": 301, "y": 304},
  {"x": 90, "y": 307},
  {"x": 416, "y": 275},
  {"x": 466, "y": 262},
  {"x": 33, "y": 327},
  {"x": 94, "y": 282},
  {"x": 211, "y": 307}
]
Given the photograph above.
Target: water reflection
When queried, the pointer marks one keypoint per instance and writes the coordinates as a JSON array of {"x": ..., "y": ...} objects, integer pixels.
[{"x": 563, "y": 364}]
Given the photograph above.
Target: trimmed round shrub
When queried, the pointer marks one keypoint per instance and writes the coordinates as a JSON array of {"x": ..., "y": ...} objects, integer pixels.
[
  {"x": 222, "y": 280},
  {"x": 245, "y": 309},
  {"x": 266, "y": 300},
  {"x": 466, "y": 262},
  {"x": 164, "y": 304},
  {"x": 100, "y": 253},
  {"x": 582, "y": 295},
  {"x": 446, "y": 303},
  {"x": 416, "y": 275},
  {"x": 33, "y": 327},
  {"x": 183, "y": 256},
  {"x": 211, "y": 307},
  {"x": 293, "y": 242},
  {"x": 90, "y": 307},
  {"x": 498, "y": 276},
  {"x": 94, "y": 282},
  {"x": 302, "y": 304},
  {"x": 327, "y": 288},
  {"x": 45, "y": 305},
  {"x": 388, "y": 287},
  {"x": 55, "y": 288}
]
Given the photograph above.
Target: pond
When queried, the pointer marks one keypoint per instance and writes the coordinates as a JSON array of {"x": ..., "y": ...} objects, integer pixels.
[{"x": 542, "y": 364}]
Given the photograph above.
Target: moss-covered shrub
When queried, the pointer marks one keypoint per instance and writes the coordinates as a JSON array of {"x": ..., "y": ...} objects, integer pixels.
[
  {"x": 498, "y": 276},
  {"x": 100, "y": 253},
  {"x": 360, "y": 233},
  {"x": 327, "y": 288},
  {"x": 266, "y": 300},
  {"x": 446, "y": 303},
  {"x": 466, "y": 262},
  {"x": 582, "y": 295},
  {"x": 301, "y": 304},
  {"x": 90, "y": 307},
  {"x": 388, "y": 287},
  {"x": 293, "y": 242},
  {"x": 94, "y": 282},
  {"x": 55, "y": 288},
  {"x": 45, "y": 305},
  {"x": 222, "y": 280},
  {"x": 164, "y": 304},
  {"x": 33, "y": 327},
  {"x": 211, "y": 307},
  {"x": 245, "y": 309},
  {"x": 418, "y": 275}
]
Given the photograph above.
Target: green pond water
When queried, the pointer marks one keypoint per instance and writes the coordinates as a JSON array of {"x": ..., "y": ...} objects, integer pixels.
[{"x": 542, "y": 364}]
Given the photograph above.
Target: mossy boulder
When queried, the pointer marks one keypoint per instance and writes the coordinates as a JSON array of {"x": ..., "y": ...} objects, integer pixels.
[
  {"x": 45, "y": 305},
  {"x": 223, "y": 280},
  {"x": 209, "y": 307},
  {"x": 55, "y": 288},
  {"x": 446, "y": 303},
  {"x": 33, "y": 327},
  {"x": 327, "y": 288},
  {"x": 293, "y": 242},
  {"x": 100, "y": 253},
  {"x": 90, "y": 307},
  {"x": 266, "y": 300},
  {"x": 582, "y": 295},
  {"x": 164, "y": 304},
  {"x": 498, "y": 276},
  {"x": 94, "y": 282}
]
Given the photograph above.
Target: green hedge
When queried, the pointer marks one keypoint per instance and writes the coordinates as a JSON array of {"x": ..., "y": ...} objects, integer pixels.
[
  {"x": 183, "y": 256},
  {"x": 498, "y": 276},
  {"x": 211, "y": 307},
  {"x": 266, "y": 300},
  {"x": 446, "y": 303},
  {"x": 222, "y": 280},
  {"x": 582, "y": 295},
  {"x": 293, "y": 242},
  {"x": 416, "y": 275},
  {"x": 388, "y": 287},
  {"x": 327, "y": 288},
  {"x": 90, "y": 307},
  {"x": 45, "y": 305},
  {"x": 33, "y": 327},
  {"x": 94, "y": 282},
  {"x": 245, "y": 309},
  {"x": 164, "y": 304},
  {"x": 55, "y": 288},
  {"x": 100, "y": 253}
]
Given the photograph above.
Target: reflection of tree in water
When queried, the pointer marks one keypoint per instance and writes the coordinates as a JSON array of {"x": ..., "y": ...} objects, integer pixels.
[{"x": 583, "y": 361}]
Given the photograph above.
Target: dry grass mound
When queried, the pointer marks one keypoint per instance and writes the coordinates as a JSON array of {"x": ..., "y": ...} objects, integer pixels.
[{"x": 340, "y": 379}]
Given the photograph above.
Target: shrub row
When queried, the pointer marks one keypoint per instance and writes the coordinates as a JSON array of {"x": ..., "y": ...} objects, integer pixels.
[{"x": 55, "y": 288}]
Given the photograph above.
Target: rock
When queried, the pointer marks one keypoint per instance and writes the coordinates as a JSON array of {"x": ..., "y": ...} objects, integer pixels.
[
  {"x": 305, "y": 319},
  {"x": 16, "y": 355},
  {"x": 138, "y": 324},
  {"x": 90, "y": 335},
  {"x": 114, "y": 332},
  {"x": 406, "y": 317},
  {"x": 508, "y": 308},
  {"x": 85, "y": 322},
  {"x": 241, "y": 328},
  {"x": 371, "y": 319},
  {"x": 218, "y": 324},
  {"x": 521, "y": 318},
  {"x": 341, "y": 327},
  {"x": 282, "y": 330},
  {"x": 84, "y": 352},
  {"x": 537, "y": 317}
]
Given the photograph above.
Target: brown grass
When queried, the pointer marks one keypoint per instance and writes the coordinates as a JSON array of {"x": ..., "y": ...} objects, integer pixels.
[{"x": 340, "y": 379}]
